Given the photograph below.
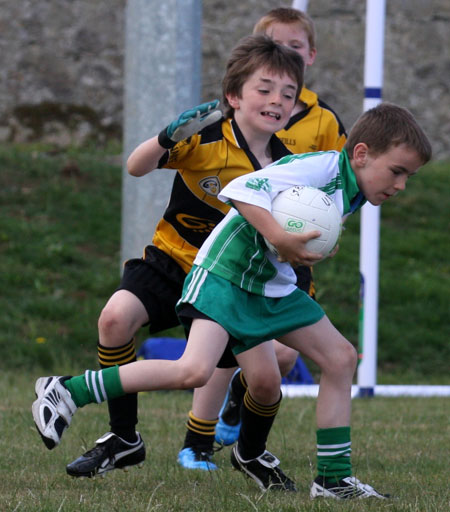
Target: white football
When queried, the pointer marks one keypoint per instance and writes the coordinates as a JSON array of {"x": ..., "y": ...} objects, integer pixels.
[{"x": 301, "y": 209}]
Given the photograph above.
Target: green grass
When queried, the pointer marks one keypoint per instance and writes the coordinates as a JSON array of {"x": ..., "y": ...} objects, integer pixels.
[
  {"x": 59, "y": 237},
  {"x": 399, "y": 446},
  {"x": 60, "y": 245}
]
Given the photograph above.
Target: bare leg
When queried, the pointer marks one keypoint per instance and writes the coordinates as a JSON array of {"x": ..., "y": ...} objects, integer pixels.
[
  {"x": 120, "y": 319},
  {"x": 208, "y": 399},
  {"x": 337, "y": 358},
  {"x": 261, "y": 372},
  {"x": 192, "y": 370},
  {"x": 265, "y": 382},
  {"x": 286, "y": 357}
]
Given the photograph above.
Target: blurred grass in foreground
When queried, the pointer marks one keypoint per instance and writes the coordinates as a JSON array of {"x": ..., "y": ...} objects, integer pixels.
[{"x": 399, "y": 447}]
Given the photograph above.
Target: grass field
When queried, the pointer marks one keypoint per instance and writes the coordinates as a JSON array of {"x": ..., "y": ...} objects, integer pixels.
[{"x": 399, "y": 445}]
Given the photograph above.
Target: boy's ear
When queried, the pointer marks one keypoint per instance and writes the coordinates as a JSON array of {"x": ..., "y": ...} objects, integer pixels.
[
  {"x": 311, "y": 57},
  {"x": 360, "y": 154},
  {"x": 233, "y": 100}
]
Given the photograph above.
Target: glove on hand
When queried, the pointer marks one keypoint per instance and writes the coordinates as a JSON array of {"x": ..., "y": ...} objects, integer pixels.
[{"x": 189, "y": 122}]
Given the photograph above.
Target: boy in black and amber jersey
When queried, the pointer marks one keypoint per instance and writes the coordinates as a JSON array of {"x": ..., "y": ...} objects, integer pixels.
[{"x": 206, "y": 162}]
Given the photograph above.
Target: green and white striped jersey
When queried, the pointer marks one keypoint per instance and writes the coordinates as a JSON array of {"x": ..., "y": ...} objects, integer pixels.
[{"x": 237, "y": 252}]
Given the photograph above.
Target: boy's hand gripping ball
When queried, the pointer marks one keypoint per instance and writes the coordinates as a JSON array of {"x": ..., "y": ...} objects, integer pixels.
[
  {"x": 189, "y": 122},
  {"x": 301, "y": 209}
]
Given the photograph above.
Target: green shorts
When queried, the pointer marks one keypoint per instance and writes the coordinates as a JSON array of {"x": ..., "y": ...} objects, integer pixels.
[{"x": 249, "y": 318}]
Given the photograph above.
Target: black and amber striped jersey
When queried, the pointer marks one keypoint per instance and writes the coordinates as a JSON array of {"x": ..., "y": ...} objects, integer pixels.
[
  {"x": 317, "y": 128},
  {"x": 205, "y": 163}
]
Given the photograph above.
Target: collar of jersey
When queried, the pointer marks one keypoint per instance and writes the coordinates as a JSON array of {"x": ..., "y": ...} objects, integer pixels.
[
  {"x": 353, "y": 197},
  {"x": 233, "y": 133},
  {"x": 309, "y": 98}
]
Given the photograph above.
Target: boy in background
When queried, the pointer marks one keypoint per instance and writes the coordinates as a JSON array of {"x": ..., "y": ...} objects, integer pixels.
[
  {"x": 238, "y": 292},
  {"x": 313, "y": 126}
]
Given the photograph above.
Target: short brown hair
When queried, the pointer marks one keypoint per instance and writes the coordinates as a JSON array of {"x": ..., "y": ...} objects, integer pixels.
[
  {"x": 287, "y": 15},
  {"x": 386, "y": 126},
  {"x": 256, "y": 52}
]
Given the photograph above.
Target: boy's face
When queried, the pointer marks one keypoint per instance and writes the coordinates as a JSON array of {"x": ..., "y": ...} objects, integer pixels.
[
  {"x": 382, "y": 176},
  {"x": 293, "y": 36},
  {"x": 265, "y": 103}
]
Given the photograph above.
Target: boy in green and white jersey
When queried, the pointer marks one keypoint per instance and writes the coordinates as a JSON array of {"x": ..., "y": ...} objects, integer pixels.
[
  {"x": 259, "y": 271},
  {"x": 238, "y": 292},
  {"x": 250, "y": 293}
]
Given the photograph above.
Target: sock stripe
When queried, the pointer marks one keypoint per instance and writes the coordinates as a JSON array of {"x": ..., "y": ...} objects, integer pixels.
[
  {"x": 199, "y": 426},
  {"x": 261, "y": 410},
  {"x": 90, "y": 385},
  {"x": 199, "y": 420},
  {"x": 329, "y": 446},
  {"x": 330, "y": 450},
  {"x": 112, "y": 356},
  {"x": 101, "y": 385},
  {"x": 115, "y": 350},
  {"x": 87, "y": 378},
  {"x": 122, "y": 355},
  {"x": 333, "y": 452},
  {"x": 94, "y": 382}
]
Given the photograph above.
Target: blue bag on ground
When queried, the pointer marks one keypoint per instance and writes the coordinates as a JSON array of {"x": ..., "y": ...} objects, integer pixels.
[{"x": 173, "y": 348}]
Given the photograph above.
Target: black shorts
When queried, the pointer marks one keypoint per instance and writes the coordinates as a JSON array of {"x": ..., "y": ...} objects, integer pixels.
[
  {"x": 157, "y": 281},
  {"x": 305, "y": 280}
]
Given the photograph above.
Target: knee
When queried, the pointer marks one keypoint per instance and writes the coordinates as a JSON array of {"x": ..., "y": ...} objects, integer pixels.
[
  {"x": 350, "y": 357},
  {"x": 286, "y": 358},
  {"x": 264, "y": 387},
  {"x": 110, "y": 320},
  {"x": 193, "y": 375},
  {"x": 344, "y": 359}
]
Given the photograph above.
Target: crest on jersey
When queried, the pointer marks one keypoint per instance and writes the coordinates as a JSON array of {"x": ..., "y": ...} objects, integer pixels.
[{"x": 210, "y": 185}]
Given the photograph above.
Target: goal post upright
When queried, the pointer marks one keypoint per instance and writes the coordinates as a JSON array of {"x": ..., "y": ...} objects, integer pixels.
[{"x": 162, "y": 78}]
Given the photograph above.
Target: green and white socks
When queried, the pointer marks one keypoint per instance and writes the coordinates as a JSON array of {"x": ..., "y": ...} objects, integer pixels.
[
  {"x": 333, "y": 453},
  {"x": 95, "y": 386},
  {"x": 333, "y": 444}
]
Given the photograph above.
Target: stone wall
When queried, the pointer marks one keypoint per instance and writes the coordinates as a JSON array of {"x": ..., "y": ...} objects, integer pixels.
[{"x": 61, "y": 78}]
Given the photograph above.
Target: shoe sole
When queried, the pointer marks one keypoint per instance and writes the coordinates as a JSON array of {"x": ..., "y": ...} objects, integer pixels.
[
  {"x": 94, "y": 474},
  {"x": 317, "y": 491},
  {"x": 206, "y": 466},
  {"x": 39, "y": 389}
]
